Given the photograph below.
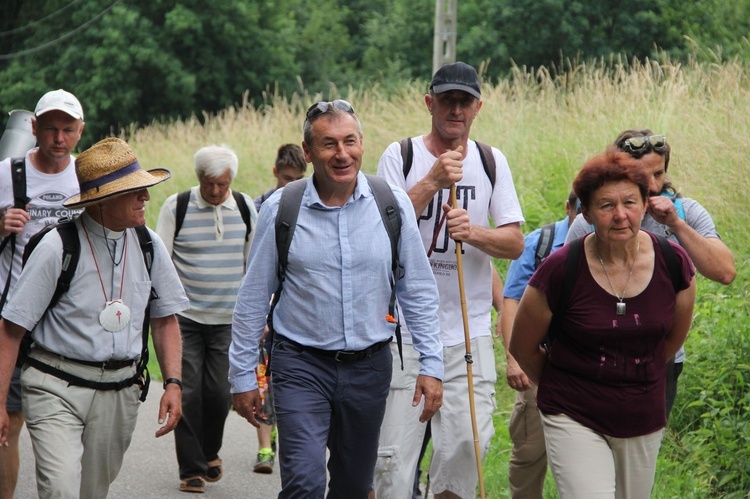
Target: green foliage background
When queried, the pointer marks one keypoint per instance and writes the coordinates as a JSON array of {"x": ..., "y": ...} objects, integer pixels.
[{"x": 136, "y": 61}]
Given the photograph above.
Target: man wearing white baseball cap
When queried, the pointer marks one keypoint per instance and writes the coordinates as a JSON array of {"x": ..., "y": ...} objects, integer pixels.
[
  {"x": 46, "y": 177},
  {"x": 59, "y": 100}
]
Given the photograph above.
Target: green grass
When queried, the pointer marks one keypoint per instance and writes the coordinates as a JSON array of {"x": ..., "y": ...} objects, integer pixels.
[{"x": 547, "y": 128}]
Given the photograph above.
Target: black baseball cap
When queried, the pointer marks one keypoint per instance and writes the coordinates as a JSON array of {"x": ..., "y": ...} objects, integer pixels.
[{"x": 457, "y": 76}]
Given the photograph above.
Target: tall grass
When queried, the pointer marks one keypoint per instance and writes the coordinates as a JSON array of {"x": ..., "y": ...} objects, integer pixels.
[{"x": 547, "y": 126}]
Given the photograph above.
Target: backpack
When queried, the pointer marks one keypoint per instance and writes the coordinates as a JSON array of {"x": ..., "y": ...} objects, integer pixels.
[
  {"x": 68, "y": 232},
  {"x": 183, "y": 199},
  {"x": 676, "y": 202},
  {"x": 20, "y": 200},
  {"x": 485, "y": 153},
  {"x": 544, "y": 244},
  {"x": 575, "y": 249},
  {"x": 286, "y": 221}
]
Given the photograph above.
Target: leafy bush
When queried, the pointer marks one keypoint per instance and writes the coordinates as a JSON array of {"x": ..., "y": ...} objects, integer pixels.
[{"x": 713, "y": 418}]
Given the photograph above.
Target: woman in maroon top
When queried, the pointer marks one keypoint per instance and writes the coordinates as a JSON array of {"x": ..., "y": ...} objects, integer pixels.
[{"x": 602, "y": 382}]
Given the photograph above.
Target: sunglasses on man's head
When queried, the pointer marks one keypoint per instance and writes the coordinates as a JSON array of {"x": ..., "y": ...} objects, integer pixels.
[
  {"x": 321, "y": 107},
  {"x": 642, "y": 143}
]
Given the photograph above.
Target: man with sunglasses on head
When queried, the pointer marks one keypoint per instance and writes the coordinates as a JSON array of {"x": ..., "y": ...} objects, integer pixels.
[
  {"x": 443, "y": 157},
  {"x": 682, "y": 220},
  {"x": 330, "y": 358}
]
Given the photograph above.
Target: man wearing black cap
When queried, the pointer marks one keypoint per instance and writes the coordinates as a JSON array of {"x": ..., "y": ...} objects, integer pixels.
[
  {"x": 49, "y": 178},
  {"x": 436, "y": 161},
  {"x": 81, "y": 380}
]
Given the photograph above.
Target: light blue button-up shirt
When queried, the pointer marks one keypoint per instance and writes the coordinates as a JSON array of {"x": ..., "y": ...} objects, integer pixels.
[{"x": 337, "y": 287}]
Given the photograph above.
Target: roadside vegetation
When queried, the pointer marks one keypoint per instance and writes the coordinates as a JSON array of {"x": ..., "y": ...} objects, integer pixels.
[{"x": 547, "y": 126}]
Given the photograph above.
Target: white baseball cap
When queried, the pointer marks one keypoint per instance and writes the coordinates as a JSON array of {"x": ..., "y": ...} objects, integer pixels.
[{"x": 59, "y": 100}]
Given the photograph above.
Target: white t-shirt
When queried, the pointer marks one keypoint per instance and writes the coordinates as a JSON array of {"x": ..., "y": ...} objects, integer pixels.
[
  {"x": 475, "y": 194},
  {"x": 46, "y": 192}
]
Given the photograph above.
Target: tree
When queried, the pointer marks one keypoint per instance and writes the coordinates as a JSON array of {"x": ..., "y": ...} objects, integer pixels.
[
  {"x": 147, "y": 60},
  {"x": 542, "y": 32}
]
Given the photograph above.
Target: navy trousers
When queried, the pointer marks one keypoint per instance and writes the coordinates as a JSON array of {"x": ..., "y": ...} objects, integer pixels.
[{"x": 321, "y": 403}]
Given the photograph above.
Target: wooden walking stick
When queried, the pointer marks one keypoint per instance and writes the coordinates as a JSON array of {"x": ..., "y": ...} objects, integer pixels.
[{"x": 469, "y": 360}]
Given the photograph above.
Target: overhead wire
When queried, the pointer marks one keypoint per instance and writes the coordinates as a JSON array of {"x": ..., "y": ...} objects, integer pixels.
[
  {"x": 70, "y": 33},
  {"x": 38, "y": 21}
]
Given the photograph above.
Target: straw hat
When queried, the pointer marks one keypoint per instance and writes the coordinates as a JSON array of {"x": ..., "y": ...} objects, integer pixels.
[{"x": 109, "y": 168}]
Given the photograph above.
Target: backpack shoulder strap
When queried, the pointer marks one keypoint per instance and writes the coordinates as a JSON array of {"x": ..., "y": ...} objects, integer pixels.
[
  {"x": 575, "y": 248},
  {"x": 488, "y": 161},
  {"x": 407, "y": 154},
  {"x": 18, "y": 173},
  {"x": 18, "y": 177},
  {"x": 679, "y": 208},
  {"x": 147, "y": 246},
  {"x": 388, "y": 208},
  {"x": 70, "y": 255},
  {"x": 286, "y": 222},
  {"x": 244, "y": 211},
  {"x": 181, "y": 207},
  {"x": 670, "y": 258},
  {"x": 544, "y": 245},
  {"x": 143, "y": 377}
]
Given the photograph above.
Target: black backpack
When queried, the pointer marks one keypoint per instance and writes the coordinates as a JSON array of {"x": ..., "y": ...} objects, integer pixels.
[
  {"x": 575, "y": 249},
  {"x": 20, "y": 200},
  {"x": 68, "y": 232},
  {"x": 183, "y": 199},
  {"x": 485, "y": 153},
  {"x": 286, "y": 221},
  {"x": 544, "y": 244}
]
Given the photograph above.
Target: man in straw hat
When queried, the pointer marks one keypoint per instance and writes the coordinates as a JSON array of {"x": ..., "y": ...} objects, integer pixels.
[
  {"x": 444, "y": 157},
  {"x": 80, "y": 426},
  {"x": 48, "y": 174}
]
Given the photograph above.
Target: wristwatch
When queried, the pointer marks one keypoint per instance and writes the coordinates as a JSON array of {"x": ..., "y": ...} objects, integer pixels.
[{"x": 172, "y": 380}]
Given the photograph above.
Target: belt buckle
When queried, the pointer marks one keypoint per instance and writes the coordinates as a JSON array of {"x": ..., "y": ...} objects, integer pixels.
[{"x": 340, "y": 353}]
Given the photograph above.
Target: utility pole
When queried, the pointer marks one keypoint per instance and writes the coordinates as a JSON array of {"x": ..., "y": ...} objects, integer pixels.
[{"x": 444, "y": 46}]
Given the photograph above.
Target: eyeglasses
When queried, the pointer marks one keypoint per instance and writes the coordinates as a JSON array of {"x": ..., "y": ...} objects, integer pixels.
[
  {"x": 322, "y": 107},
  {"x": 639, "y": 145}
]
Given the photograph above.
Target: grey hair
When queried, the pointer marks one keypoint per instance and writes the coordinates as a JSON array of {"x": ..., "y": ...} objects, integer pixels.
[
  {"x": 330, "y": 113},
  {"x": 214, "y": 161}
]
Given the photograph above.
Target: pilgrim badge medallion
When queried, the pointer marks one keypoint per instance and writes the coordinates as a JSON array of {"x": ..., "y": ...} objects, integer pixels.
[{"x": 115, "y": 316}]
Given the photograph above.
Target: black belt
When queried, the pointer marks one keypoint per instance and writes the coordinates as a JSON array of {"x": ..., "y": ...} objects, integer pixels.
[
  {"x": 107, "y": 365},
  {"x": 344, "y": 356}
]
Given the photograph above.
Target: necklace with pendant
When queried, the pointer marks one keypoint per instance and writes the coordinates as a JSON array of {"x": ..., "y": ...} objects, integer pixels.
[
  {"x": 116, "y": 315},
  {"x": 620, "y": 308}
]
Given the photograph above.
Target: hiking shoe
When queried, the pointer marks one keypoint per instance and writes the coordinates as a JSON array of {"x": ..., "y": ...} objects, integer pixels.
[
  {"x": 215, "y": 471},
  {"x": 195, "y": 484},
  {"x": 264, "y": 464}
]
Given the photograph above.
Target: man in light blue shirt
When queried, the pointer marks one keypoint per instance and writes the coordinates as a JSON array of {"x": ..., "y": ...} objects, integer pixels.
[{"x": 335, "y": 299}]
